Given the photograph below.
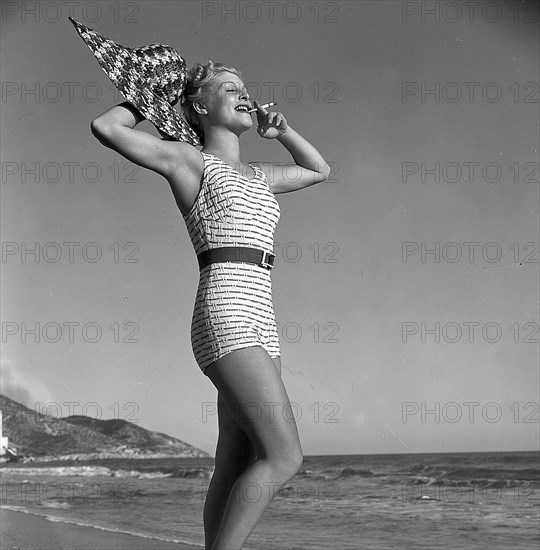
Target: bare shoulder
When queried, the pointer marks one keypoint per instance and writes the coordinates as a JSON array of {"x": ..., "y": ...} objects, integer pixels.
[
  {"x": 265, "y": 167},
  {"x": 185, "y": 173},
  {"x": 269, "y": 170},
  {"x": 182, "y": 157}
]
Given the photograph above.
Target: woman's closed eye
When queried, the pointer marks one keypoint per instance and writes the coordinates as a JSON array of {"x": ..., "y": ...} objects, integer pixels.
[{"x": 237, "y": 89}]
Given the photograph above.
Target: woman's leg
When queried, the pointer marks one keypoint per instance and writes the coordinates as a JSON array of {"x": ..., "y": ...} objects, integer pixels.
[
  {"x": 234, "y": 453},
  {"x": 251, "y": 388}
]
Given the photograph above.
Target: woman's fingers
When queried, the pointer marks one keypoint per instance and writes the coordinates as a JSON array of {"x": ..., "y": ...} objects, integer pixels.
[
  {"x": 268, "y": 120},
  {"x": 260, "y": 108}
]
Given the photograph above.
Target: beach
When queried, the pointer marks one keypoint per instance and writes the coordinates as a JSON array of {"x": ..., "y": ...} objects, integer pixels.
[
  {"x": 410, "y": 501},
  {"x": 23, "y": 531}
]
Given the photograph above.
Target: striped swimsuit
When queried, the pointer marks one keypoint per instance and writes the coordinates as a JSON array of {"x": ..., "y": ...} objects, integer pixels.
[{"x": 233, "y": 306}]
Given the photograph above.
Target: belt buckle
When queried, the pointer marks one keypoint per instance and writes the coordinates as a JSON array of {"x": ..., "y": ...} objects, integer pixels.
[{"x": 267, "y": 260}]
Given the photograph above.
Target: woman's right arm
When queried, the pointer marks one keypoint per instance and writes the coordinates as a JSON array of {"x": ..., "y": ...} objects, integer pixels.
[{"x": 179, "y": 162}]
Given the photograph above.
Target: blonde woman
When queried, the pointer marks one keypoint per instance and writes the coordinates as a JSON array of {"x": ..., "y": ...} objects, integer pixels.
[{"x": 230, "y": 213}]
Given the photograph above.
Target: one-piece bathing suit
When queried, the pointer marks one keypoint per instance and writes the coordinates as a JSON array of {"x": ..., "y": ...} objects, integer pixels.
[{"x": 233, "y": 306}]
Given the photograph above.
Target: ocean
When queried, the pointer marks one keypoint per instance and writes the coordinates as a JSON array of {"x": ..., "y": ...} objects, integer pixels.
[{"x": 453, "y": 501}]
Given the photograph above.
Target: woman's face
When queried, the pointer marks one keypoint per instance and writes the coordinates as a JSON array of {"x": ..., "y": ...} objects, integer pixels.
[{"x": 224, "y": 103}]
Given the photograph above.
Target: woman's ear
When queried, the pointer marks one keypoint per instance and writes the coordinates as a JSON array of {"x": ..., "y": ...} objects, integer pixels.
[{"x": 200, "y": 109}]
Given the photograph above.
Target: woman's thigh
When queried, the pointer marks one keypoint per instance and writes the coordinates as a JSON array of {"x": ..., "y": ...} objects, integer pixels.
[
  {"x": 234, "y": 446},
  {"x": 250, "y": 387}
]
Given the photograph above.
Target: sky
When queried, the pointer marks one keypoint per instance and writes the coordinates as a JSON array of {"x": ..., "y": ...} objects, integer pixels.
[{"x": 405, "y": 286}]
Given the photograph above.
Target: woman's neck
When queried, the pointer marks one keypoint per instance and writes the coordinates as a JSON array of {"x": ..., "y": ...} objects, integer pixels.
[{"x": 224, "y": 145}]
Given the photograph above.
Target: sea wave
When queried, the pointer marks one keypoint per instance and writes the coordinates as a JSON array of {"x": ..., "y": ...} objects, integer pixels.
[
  {"x": 354, "y": 472},
  {"x": 104, "y": 471},
  {"x": 337, "y": 473},
  {"x": 83, "y": 471},
  {"x": 472, "y": 474}
]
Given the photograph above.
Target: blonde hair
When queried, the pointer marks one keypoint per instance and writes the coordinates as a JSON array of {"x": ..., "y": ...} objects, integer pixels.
[{"x": 197, "y": 89}]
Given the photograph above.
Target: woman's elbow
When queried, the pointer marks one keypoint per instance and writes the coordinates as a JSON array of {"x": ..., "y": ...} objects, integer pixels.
[
  {"x": 101, "y": 130},
  {"x": 98, "y": 126}
]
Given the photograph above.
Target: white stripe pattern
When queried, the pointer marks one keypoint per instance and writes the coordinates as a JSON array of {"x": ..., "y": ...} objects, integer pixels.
[{"x": 233, "y": 306}]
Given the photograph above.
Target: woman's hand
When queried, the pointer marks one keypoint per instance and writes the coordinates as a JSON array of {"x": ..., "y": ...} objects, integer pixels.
[{"x": 271, "y": 125}]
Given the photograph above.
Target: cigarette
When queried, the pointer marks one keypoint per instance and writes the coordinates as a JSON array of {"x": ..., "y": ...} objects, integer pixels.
[{"x": 263, "y": 106}]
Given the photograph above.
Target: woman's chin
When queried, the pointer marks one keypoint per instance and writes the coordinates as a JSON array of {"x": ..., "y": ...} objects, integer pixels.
[
  {"x": 239, "y": 126},
  {"x": 246, "y": 126}
]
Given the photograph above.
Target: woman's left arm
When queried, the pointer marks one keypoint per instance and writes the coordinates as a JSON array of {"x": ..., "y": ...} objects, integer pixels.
[{"x": 310, "y": 167}]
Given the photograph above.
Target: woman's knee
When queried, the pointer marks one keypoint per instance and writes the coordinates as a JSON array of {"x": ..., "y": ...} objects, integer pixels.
[
  {"x": 287, "y": 460},
  {"x": 294, "y": 462}
]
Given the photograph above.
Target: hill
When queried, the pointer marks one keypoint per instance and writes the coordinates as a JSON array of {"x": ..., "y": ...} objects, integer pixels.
[{"x": 40, "y": 437}]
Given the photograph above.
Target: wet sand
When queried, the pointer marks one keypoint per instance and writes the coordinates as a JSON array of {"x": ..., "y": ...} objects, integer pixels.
[{"x": 21, "y": 531}]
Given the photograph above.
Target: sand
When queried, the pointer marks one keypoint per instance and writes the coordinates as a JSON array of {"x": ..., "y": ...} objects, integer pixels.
[{"x": 21, "y": 531}]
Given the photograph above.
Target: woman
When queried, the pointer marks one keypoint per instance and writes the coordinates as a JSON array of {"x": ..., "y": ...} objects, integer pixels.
[{"x": 226, "y": 202}]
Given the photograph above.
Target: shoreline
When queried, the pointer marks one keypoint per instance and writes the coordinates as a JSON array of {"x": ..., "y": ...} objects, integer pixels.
[{"x": 22, "y": 530}]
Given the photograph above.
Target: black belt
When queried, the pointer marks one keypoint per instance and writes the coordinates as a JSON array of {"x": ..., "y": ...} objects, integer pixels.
[{"x": 236, "y": 254}]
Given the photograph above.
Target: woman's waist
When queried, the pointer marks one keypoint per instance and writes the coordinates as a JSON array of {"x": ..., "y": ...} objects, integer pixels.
[
  {"x": 237, "y": 277},
  {"x": 236, "y": 269},
  {"x": 203, "y": 244}
]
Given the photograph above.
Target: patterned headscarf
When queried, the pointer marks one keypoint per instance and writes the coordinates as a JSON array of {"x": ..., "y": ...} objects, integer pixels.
[{"x": 152, "y": 78}]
